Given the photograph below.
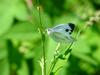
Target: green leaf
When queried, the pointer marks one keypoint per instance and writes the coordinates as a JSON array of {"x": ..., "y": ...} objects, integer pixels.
[
  {"x": 21, "y": 11},
  {"x": 61, "y": 63},
  {"x": 50, "y": 51},
  {"x": 6, "y": 19},
  {"x": 85, "y": 58},
  {"x": 3, "y": 50},
  {"x": 4, "y": 67},
  {"x": 81, "y": 46},
  {"x": 24, "y": 69},
  {"x": 23, "y": 31}
]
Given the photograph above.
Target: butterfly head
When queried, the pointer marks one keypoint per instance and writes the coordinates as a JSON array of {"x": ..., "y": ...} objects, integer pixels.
[{"x": 49, "y": 30}]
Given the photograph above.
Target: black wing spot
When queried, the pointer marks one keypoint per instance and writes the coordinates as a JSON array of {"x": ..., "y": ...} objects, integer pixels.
[
  {"x": 72, "y": 26},
  {"x": 67, "y": 30},
  {"x": 70, "y": 32}
]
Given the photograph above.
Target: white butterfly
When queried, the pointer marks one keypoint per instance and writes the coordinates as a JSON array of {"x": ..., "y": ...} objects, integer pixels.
[{"x": 62, "y": 33}]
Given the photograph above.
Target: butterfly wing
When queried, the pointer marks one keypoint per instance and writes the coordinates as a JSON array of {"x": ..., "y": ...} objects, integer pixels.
[
  {"x": 72, "y": 26},
  {"x": 62, "y": 32},
  {"x": 59, "y": 37},
  {"x": 70, "y": 39}
]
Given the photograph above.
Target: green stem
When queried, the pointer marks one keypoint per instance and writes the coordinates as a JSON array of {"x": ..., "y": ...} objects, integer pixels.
[
  {"x": 43, "y": 50},
  {"x": 55, "y": 59},
  {"x": 43, "y": 43},
  {"x": 58, "y": 69},
  {"x": 52, "y": 65},
  {"x": 43, "y": 38}
]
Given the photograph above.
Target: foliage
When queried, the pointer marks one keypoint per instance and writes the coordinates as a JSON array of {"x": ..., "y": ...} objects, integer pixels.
[{"x": 20, "y": 39}]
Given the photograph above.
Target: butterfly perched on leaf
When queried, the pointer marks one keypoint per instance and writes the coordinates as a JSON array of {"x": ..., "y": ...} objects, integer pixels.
[{"x": 62, "y": 33}]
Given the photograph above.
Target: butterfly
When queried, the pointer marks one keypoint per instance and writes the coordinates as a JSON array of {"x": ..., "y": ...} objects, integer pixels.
[{"x": 62, "y": 33}]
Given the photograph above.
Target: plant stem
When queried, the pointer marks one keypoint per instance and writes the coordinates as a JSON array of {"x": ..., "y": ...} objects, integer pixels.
[
  {"x": 52, "y": 65},
  {"x": 58, "y": 69},
  {"x": 43, "y": 43},
  {"x": 55, "y": 60},
  {"x": 66, "y": 52}
]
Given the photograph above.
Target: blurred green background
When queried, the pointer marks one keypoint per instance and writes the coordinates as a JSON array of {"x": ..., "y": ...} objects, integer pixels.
[{"x": 20, "y": 41}]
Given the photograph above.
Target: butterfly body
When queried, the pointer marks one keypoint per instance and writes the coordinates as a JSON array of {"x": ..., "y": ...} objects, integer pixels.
[{"x": 62, "y": 32}]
